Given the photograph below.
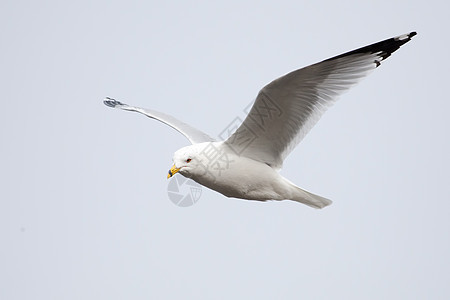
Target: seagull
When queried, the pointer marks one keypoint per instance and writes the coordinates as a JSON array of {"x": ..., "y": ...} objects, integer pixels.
[{"x": 246, "y": 165}]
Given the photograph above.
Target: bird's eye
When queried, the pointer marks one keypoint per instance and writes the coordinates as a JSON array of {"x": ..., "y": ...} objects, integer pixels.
[{"x": 188, "y": 160}]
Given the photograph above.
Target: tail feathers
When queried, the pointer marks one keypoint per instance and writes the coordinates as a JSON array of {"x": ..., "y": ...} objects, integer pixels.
[{"x": 310, "y": 199}]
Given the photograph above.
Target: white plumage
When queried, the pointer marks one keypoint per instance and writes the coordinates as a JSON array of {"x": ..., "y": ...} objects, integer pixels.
[{"x": 246, "y": 164}]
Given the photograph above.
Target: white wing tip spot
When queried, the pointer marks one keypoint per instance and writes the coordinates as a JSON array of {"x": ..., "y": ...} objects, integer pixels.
[{"x": 405, "y": 36}]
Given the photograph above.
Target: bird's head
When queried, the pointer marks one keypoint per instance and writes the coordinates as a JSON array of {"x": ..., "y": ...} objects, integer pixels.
[{"x": 187, "y": 161}]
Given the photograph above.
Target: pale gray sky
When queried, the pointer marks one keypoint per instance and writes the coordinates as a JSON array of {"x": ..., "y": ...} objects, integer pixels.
[{"x": 84, "y": 210}]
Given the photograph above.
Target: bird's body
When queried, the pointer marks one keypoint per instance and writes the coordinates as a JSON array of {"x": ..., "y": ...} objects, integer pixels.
[
  {"x": 246, "y": 165},
  {"x": 241, "y": 177}
]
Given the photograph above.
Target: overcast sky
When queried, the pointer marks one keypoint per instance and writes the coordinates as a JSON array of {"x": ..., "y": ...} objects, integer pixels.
[{"x": 84, "y": 209}]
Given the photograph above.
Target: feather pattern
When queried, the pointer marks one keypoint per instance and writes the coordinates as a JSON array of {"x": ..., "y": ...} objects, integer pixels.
[{"x": 287, "y": 108}]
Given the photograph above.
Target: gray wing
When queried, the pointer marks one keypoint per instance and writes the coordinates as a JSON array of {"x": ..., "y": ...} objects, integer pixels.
[
  {"x": 287, "y": 108},
  {"x": 194, "y": 135}
]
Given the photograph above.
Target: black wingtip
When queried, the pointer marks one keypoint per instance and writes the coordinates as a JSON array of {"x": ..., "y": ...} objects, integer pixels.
[
  {"x": 111, "y": 102},
  {"x": 405, "y": 37},
  {"x": 383, "y": 49}
]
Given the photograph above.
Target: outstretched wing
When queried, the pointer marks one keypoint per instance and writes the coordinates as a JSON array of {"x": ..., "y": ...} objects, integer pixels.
[
  {"x": 194, "y": 135},
  {"x": 288, "y": 107}
]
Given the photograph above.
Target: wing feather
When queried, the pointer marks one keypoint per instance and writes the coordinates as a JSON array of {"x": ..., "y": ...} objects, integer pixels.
[
  {"x": 287, "y": 108},
  {"x": 194, "y": 135}
]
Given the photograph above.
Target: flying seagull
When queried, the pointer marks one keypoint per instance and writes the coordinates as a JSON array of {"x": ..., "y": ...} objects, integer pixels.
[{"x": 246, "y": 164}]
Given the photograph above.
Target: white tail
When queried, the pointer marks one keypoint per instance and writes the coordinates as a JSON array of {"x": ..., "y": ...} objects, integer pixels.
[
  {"x": 311, "y": 199},
  {"x": 305, "y": 197}
]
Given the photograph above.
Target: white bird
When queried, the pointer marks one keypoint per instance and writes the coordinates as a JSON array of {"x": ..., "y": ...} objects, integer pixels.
[{"x": 246, "y": 165}]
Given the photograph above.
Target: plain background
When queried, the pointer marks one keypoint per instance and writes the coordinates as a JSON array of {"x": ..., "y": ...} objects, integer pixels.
[{"x": 84, "y": 210}]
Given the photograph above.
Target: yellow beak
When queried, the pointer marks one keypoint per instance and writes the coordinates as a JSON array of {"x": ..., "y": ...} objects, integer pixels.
[{"x": 172, "y": 171}]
